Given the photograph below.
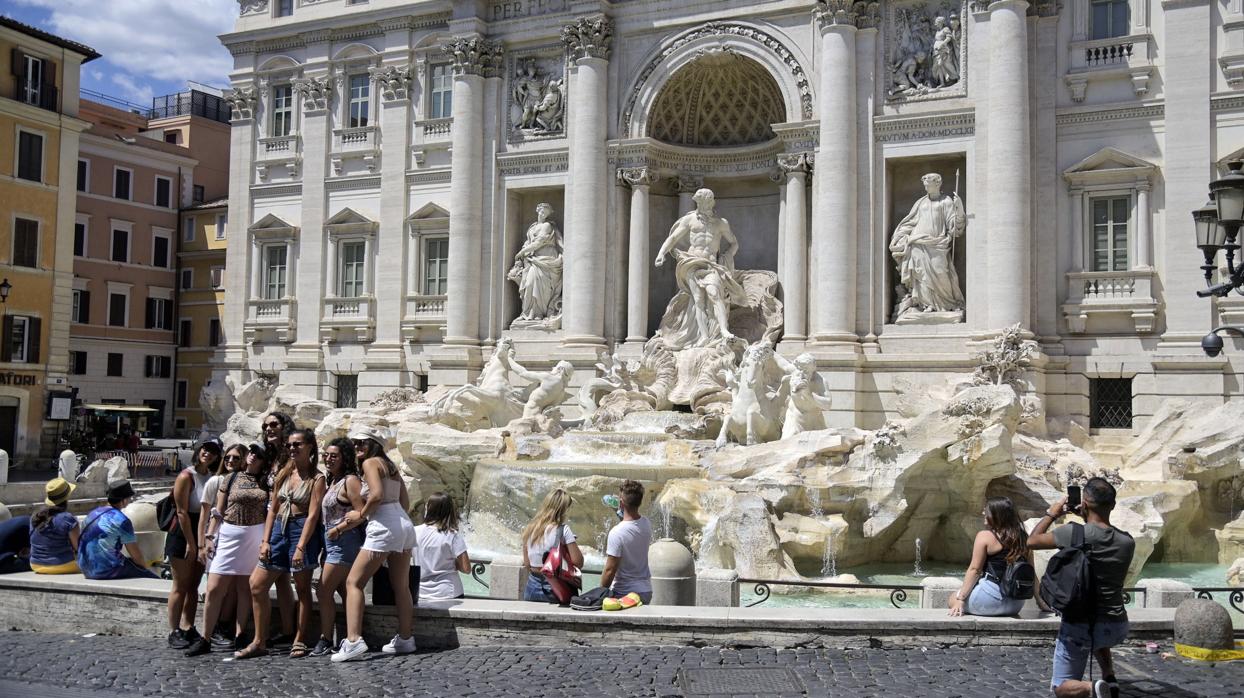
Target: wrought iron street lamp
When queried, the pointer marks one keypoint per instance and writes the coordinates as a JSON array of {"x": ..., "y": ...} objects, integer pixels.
[
  {"x": 5, "y": 288},
  {"x": 1217, "y": 227}
]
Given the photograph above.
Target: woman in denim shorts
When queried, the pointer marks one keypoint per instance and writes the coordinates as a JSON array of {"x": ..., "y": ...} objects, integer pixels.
[
  {"x": 291, "y": 544},
  {"x": 342, "y": 539},
  {"x": 1003, "y": 541}
]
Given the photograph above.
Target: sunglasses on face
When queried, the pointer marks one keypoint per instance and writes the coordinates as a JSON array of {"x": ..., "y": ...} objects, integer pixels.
[
  {"x": 272, "y": 425},
  {"x": 232, "y": 457},
  {"x": 295, "y": 444}
]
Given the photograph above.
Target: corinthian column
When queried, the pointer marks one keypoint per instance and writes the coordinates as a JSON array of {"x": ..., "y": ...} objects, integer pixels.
[
  {"x": 834, "y": 235},
  {"x": 1008, "y": 159},
  {"x": 474, "y": 58},
  {"x": 795, "y": 252},
  {"x": 639, "y": 178},
  {"x": 587, "y": 42}
]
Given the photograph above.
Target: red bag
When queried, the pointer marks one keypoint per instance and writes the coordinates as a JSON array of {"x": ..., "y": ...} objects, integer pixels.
[{"x": 564, "y": 578}]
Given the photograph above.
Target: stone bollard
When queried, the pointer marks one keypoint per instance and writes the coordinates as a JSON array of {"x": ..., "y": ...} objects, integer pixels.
[
  {"x": 673, "y": 573},
  {"x": 507, "y": 577},
  {"x": 1166, "y": 593},
  {"x": 717, "y": 587},
  {"x": 4, "y": 467},
  {"x": 150, "y": 537},
  {"x": 938, "y": 590},
  {"x": 1203, "y": 623}
]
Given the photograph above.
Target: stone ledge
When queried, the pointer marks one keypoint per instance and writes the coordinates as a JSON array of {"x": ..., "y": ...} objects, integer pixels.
[{"x": 70, "y": 603}]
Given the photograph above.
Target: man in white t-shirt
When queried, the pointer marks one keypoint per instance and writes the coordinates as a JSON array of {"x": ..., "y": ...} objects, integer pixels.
[{"x": 626, "y": 567}]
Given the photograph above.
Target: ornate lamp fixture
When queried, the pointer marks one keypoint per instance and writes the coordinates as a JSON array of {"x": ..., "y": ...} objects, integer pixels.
[{"x": 1217, "y": 225}]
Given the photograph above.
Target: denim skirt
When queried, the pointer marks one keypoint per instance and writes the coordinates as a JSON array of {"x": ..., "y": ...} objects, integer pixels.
[{"x": 986, "y": 599}]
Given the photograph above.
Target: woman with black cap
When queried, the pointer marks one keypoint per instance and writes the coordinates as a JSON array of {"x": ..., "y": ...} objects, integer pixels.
[
  {"x": 233, "y": 539},
  {"x": 181, "y": 545}
]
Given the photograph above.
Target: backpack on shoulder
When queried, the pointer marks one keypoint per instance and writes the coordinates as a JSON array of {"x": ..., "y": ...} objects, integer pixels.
[
  {"x": 1019, "y": 579},
  {"x": 1067, "y": 586}
]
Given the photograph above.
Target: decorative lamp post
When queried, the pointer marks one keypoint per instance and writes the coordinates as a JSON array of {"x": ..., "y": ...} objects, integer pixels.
[
  {"x": 1228, "y": 199},
  {"x": 5, "y": 288}
]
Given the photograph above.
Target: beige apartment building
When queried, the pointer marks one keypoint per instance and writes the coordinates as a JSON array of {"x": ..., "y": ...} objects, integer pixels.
[
  {"x": 131, "y": 187},
  {"x": 200, "y": 307},
  {"x": 39, "y": 131}
]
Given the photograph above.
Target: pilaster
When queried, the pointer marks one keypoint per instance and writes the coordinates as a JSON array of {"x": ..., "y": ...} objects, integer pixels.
[{"x": 638, "y": 263}]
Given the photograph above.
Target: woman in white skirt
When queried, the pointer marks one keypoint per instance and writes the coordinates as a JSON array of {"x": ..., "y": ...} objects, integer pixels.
[
  {"x": 390, "y": 538},
  {"x": 233, "y": 539}
]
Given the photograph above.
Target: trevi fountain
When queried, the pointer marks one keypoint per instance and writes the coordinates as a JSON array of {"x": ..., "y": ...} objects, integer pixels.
[{"x": 729, "y": 436}]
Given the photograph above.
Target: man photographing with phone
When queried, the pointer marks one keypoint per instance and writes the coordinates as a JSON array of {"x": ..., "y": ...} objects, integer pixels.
[{"x": 1109, "y": 551}]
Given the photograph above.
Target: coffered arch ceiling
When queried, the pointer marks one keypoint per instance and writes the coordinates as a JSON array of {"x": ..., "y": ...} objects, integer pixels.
[{"x": 720, "y": 99}]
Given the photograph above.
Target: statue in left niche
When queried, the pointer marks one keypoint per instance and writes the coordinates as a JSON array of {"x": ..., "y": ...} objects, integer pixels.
[{"x": 537, "y": 271}]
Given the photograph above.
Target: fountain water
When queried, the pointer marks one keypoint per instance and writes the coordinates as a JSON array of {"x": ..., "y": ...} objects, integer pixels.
[
  {"x": 829, "y": 565},
  {"x": 666, "y": 514},
  {"x": 814, "y": 503},
  {"x": 917, "y": 570}
]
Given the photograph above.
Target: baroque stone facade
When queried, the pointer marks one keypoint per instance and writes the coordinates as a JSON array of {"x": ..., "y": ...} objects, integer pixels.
[{"x": 387, "y": 158}]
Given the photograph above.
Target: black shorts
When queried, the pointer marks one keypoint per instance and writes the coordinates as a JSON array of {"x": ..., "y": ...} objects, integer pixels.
[{"x": 175, "y": 542}]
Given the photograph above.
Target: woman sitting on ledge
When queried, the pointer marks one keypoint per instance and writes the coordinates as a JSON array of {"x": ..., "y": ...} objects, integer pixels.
[
  {"x": 544, "y": 533},
  {"x": 1002, "y": 542},
  {"x": 54, "y": 532}
]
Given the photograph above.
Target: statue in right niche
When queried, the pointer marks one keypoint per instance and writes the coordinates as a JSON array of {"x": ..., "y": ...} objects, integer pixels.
[
  {"x": 923, "y": 248},
  {"x": 537, "y": 271}
]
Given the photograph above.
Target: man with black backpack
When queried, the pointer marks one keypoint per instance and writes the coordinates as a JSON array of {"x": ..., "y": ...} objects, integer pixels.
[{"x": 1084, "y": 583}]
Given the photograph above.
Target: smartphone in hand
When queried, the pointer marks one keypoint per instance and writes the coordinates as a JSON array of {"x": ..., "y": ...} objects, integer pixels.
[{"x": 1073, "y": 497}]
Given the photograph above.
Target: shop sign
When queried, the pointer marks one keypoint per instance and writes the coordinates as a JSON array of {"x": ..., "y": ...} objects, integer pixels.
[{"x": 14, "y": 378}]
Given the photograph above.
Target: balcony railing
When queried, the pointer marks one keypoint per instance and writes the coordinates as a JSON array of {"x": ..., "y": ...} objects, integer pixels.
[
  {"x": 1113, "y": 53},
  {"x": 270, "y": 310},
  {"x": 436, "y": 129},
  {"x": 279, "y": 146},
  {"x": 269, "y": 319},
  {"x": 428, "y": 306},
  {"x": 361, "y": 138},
  {"x": 1107, "y": 286},
  {"x": 1102, "y": 293}
]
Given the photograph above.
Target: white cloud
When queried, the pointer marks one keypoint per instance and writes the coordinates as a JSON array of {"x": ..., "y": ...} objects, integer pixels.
[
  {"x": 171, "y": 41},
  {"x": 131, "y": 90}
]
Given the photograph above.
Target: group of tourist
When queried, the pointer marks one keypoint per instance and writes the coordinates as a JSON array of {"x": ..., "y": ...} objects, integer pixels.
[
  {"x": 269, "y": 513},
  {"x": 1004, "y": 543}
]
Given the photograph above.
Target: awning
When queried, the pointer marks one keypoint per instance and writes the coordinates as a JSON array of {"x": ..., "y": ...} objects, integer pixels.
[{"x": 119, "y": 408}]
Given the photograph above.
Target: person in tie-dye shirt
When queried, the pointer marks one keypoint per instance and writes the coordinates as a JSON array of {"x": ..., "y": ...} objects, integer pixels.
[{"x": 104, "y": 532}]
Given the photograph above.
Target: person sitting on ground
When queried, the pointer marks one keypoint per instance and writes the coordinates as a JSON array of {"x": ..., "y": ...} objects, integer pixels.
[
  {"x": 1003, "y": 541},
  {"x": 442, "y": 551},
  {"x": 104, "y": 532},
  {"x": 291, "y": 543},
  {"x": 233, "y": 540},
  {"x": 626, "y": 571},
  {"x": 54, "y": 532},
  {"x": 1110, "y": 553},
  {"x": 542, "y": 535},
  {"x": 342, "y": 540},
  {"x": 181, "y": 545},
  {"x": 232, "y": 461},
  {"x": 390, "y": 539},
  {"x": 15, "y": 545}
]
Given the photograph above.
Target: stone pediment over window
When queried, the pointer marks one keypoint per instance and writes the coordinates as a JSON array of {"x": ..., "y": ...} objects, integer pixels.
[
  {"x": 349, "y": 222},
  {"x": 430, "y": 217},
  {"x": 1109, "y": 166},
  {"x": 272, "y": 227}
]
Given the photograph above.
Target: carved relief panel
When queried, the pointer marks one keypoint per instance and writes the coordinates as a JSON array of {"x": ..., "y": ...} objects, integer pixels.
[
  {"x": 536, "y": 94},
  {"x": 925, "y": 50}
]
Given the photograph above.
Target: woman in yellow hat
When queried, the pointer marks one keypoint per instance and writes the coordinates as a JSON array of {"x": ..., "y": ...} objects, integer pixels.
[{"x": 54, "y": 532}]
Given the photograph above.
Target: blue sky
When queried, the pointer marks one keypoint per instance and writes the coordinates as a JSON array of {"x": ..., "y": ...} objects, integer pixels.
[{"x": 149, "y": 47}]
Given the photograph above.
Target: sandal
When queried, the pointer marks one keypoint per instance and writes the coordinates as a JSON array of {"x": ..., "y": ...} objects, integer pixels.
[
  {"x": 631, "y": 600},
  {"x": 299, "y": 650},
  {"x": 250, "y": 652}
]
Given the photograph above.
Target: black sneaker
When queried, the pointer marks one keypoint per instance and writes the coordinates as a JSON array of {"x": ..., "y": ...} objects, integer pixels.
[
  {"x": 221, "y": 641},
  {"x": 281, "y": 639},
  {"x": 191, "y": 635},
  {"x": 198, "y": 647},
  {"x": 178, "y": 640},
  {"x": 323, "y": 647}
]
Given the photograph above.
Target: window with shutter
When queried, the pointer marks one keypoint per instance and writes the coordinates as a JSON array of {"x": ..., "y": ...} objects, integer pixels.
[
  {"x": 33, "y": 338},
  {"x": 213, "y": 332},
  {"x": 148, "y": 368},
  {"x": 116, "y": 309},
  {"x": 25, "y": 243},
  {"x": 30, "y": 156},
  {"x": 115, "y": 364},
  {"x": 163, "y": 192},
  {"x": 120, "y": 246},
  {"x": 79, "y": 239},
  {"x": 150, "y": 321},
  {"x": 121, "y": 183},
  {"x": 184, "y": 328},
  {"x": 18, "y": 331},
  {"x": 77, "y": 363},
  {"x": 83, "y": 175},
  {"x": 159, "y": 252},
  {"x": 183, "y": 390}
]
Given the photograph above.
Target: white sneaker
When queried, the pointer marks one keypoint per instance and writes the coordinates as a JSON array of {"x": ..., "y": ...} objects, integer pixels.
[
  {"x": 350, "y": 651},
  {"x": 1101, "y": 689},
  {"x": 398, "y": 645}
]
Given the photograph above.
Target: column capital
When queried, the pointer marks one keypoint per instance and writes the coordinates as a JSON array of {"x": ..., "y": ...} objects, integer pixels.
[
  {"x": 316, "y": 93},
  {"x": 795, "y": 163},
  {"x": 856, "y": 14},
  {"x": 635, "y": 176},
  {"x": 474, "y": 55},
  {"x": 588, "y": 37},
  {"x": 243, "y": 99},
  {"x": 688, "y": 183},
  {"x": 393, "y": 81}
]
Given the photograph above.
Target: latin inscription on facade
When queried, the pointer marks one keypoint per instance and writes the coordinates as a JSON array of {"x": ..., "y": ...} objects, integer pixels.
[{"x": 526, "y": 8}]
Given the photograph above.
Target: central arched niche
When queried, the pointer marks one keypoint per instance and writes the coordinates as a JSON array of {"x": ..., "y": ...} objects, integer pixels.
[{"x": 718, "y": 100}]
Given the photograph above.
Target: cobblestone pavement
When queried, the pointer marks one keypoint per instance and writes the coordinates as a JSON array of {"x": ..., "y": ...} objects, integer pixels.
[{"x": 68, "y": 665}]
